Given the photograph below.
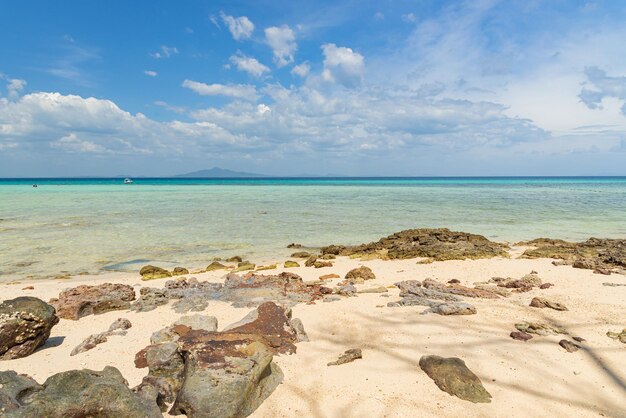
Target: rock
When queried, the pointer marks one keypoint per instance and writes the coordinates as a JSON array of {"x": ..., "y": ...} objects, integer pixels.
[
  {"x": 291, "y": 264},
  {"x": 613, "y": 284},
  {"x": 329, "y": 276},
  {"x": 600, "y": 270},
  {"x": 360, "y": 274},
  {"x": 149, "y": 299},
  {"x": 29, "y": 288},
  {"x": 621, "y": 336},
  {"x": 310, "y": 261},
  {"x": 347, "y": 357},
  {"x": 521, "y": 335},
  {"x": 331, "y": 298},
  {"x": 539, "y": 328},
  {"x": 234, "y": 259},
  {"x": 244, "y": 266},
  {"x": 298, "y": 327},
  {"x": 346, "y": 290},
  {"x": 378, "y": 289},
  {"x": 216, "y": 265},
  {"x": 437, "y": 244},
  {"x": 546, "y": 286},
  {"x": 523, "y": 284},
  {"x": 454, "y": 281},
  {"x": 301, "y": 254},
  {"x": 494, "y": 289},
  {"x": 13, "y": 389},
  {"x": 569, "y": 346},
  {"x": 152, "y": 272},
  {"x": 86, "y": 300},
  {"x": 294, "y": 245},
  {"x": 25, "y": 325},
  {"x": 118, "y": 327},
  {"x": 321, "y": 264},
  {"x": 578, "y": 339},
  {"x": 165, "y": 371},
  {"x": 179, "y": 271},
  {"x": 539, "y": 302},
  {"x": 327, "y": 257},
  {"x": 268, "y": 267},
  {"x": 452, "y": 308},
  {"x": 457, "y": 289},
  {"x": 452, "y": 376},
  {"x": 86, "y": 393}
]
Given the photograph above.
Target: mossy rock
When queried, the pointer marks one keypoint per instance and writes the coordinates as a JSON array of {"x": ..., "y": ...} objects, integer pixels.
[
  {"x": 179, "y": 271},
  {"x": 234, "y": 259},
  {"x": 301, "y": 254},
  {"x": 268, "y": 267},
  {"x": 216, "y": 265},
  {"x": 290, "y": 264},
  {"x": 244, "y": 266},
  {"x": 150, "y": 272}
]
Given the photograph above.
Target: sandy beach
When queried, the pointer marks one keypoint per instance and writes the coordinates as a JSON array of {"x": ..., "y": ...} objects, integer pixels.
[{"x": 525, "y": 378}]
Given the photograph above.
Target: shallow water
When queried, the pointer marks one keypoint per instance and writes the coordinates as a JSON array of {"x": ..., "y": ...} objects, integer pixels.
[{"x": 89, "y": 224}]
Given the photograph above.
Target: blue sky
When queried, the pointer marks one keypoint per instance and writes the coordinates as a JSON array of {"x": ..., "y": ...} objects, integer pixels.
[{"x": 289, "y": 87}]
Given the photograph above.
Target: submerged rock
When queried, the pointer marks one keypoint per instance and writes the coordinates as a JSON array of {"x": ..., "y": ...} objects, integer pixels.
[
  {"x": 452, "y": 376},
  {"x": 437, "y": 244},
  {"x": 347, "y": 357},
  {"x": 92, "y": 300},
  {"x": 539, "y": 302},
  {"x": 25, "y": 325},
  {"x": 150, "y": 272}
]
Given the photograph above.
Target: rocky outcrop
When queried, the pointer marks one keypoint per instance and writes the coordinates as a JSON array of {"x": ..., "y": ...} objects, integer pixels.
[
  {"x": 86, "y": 300},
  {"x": 601, "y": 255},
  {"x": 118, "y": 327},
  {"x": 540, "y": 302},
  {"x": 452, "y": 376},
  {"x": 25, "y": 325},
  {"x": 436, "y": 244},
  {"x": 360, "y": 274},
  {"x": 347, "y": 357},
  {"x": 81, "y": 393},
  {"x": 221, "y": 374},
  {"x": 150, "y": 272}
]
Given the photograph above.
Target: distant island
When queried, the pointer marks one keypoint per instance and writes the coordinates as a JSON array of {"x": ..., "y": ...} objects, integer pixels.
[{"x": 217, "y": 172}]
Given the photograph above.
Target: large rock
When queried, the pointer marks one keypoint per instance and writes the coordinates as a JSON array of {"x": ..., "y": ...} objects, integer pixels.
[
  {"x": 452, "y": 376},
  {"x": 360, "y": 274},
  {"x": 436, "y": 244},
  {"x": 92, "y": 300},
  {"x": 25, "y": 324},
  {"x": 85, "y": 393},
  {"x": 13, "y": 388},
  {"x": 153, "y": 272}
]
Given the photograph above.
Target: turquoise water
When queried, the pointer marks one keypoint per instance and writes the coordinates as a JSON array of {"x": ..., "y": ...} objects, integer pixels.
[{"x": 88, "y": 224}]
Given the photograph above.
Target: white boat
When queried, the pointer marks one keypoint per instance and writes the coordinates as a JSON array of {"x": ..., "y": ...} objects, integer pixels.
[{"x": 128, "y": 181}]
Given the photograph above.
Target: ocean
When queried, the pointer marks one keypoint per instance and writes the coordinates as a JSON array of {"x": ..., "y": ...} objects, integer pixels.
[{"x": 91, "y": 225}]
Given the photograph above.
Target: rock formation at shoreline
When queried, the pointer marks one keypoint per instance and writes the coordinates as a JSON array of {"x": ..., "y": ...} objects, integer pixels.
[
  {"x": 435, "y": 244},
  {"x": 25, "y": 325}
]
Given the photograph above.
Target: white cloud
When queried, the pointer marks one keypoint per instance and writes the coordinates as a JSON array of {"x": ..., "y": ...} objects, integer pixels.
[
  {"x": 240, "y": 27},
  {"x": 409, "y": 17},
  {"x": 342, "y": 65},
  {"x": 164, "y": 52},
  {"x": 379, "y": 16},
  {"x": 150, "y": 73},
  {"x": 72, "y": 143},
  {"x": 239, "y": 91},
  {"x": 248, "y": 64},
  {"x": 14, "y": 87},
  {"x": 301, "y": 70},
  {"x": 282, "y": 40}
]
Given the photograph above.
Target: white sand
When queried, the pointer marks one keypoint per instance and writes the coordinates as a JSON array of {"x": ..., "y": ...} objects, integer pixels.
[{"x": 535, "y": 378}]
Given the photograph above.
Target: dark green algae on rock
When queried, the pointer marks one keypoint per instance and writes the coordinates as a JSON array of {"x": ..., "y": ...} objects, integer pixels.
[
  {"x": 438, "y": 244},
  {"x": 452, "y": 376}
]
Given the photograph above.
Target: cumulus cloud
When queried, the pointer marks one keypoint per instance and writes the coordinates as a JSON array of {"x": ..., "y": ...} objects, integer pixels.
[
  {"x": 282, "y": 40},
  {"x": 301, "y": 70},
  {"x": 239, "y": 91},
  {"x": 240, "y": 27},
  {"x": 600, "y": 86},
  {"x": 14, "y": 87},
  {"x": 150, "y": 73},
  {"x": 164, "y": 52},
  {"x": 249, "y": 65},
  {"x": 342, "y": 65}
]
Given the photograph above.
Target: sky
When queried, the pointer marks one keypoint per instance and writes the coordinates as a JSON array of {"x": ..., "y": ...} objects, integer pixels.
[{"x": 288, "y": 88}]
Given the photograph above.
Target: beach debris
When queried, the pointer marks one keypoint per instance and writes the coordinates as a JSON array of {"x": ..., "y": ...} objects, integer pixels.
[
  {"x": 451, "y": 375},
  {"x": 294, "y": 245},
  {"x": 301, "y": 254},
  {"x": 179, "y": 271},
  {"x": 539, "y": 328},
  {"x": 291, "y": 264},
  {"x": 347, "y": 357},
  {"x": 569, "y": 346},
  {"x": 226, "y": 373},
  {"x": 451, "y": 308},
  {"x": 437, "y": 244},
  {"x": 244, "y": 266},
  {"x": 521, "y": 335},
  {"x": 150, "y": 272},
  {"x": 329, "y": 276},
  {"x": 602, "y": 255},
  {"x": 25, "y": 325},
  {"x": 118, "y": 327},
  {"x": 234, "y": 259},
  {"x": 613, "y": 284},
  {"x": 216, "y": 265},
  {"x": 360, "y": 274},
  {"x": 78, "y": 393},
  {"x": 539, "y": 302},
  {"x": 621, "y": 336}
]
